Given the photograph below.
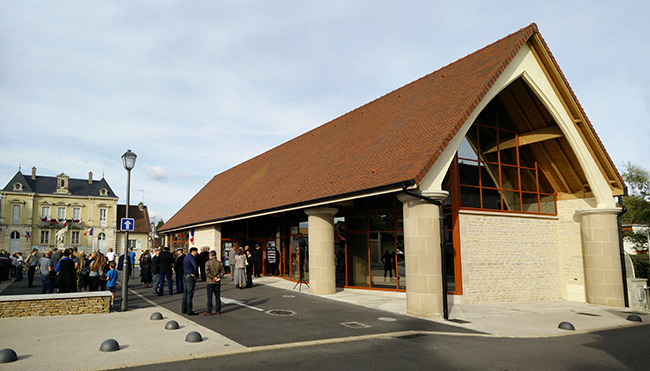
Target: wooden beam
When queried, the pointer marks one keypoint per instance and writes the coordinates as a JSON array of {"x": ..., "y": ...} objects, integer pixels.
[{"x": 530, "y": 137}]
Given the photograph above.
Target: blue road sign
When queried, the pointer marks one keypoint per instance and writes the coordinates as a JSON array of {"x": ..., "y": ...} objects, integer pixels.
[{"x": 126, "y": 224}]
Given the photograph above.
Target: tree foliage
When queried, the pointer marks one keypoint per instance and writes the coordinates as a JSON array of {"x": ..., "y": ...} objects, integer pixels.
[
  {"x": 638, "y": 208},
  {"x": 637, "y": 204},
  {"x": 160, "y": 224}
]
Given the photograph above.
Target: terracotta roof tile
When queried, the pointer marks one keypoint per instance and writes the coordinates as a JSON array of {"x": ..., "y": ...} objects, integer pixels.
[{"x": 391, "y": 140}]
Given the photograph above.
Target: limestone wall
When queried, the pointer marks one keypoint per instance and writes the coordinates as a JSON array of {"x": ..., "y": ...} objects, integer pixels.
[
  {"x": 54, "y": 304},
  {"x": 208, "y": 236},
  {"x": 519, "y": 258}
]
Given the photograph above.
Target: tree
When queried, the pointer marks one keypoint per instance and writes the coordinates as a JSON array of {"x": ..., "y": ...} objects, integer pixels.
[
  {"x": 637, "y": 204},
  {"x": 160, "y": 224}
]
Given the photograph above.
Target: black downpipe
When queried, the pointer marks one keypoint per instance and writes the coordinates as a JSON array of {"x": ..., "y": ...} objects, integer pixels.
[
  {"x": 445, "y": 304},
  {"x": 622, "y": 249}
]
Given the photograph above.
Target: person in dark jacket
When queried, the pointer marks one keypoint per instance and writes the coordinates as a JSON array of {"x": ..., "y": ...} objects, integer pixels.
[
  {"x": 249, "y": 267},
  {"x": 203, "y": 258},
  {"x": 190, "y": 272},
  {"x": 166, "y": 264},
  {"x": 155, "y": 270},
  {"x": 257, "y": 257},
  {"x": 178, "y": 268},
  {"x": 145, "y": 269},
  {"x": 66, "y": 270}
]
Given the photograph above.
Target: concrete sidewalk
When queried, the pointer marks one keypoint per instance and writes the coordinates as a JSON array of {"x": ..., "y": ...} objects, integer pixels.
[
  {"x": 78, "y": 338},
  {"x": 525, "y": 319}
]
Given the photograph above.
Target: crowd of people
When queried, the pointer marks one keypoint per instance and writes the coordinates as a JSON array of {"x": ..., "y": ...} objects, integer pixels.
[{"x": 68, "y": 270}]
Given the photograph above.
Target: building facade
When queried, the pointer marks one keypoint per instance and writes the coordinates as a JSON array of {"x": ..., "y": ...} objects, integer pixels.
[
  {"x": 44, "y": 212},
  {"x": 483, "y": 181}
]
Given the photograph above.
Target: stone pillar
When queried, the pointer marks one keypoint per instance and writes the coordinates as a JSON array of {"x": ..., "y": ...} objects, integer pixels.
[
  {"x": 322, "y": 270},
  {"x": 602, "y": 256},
  {"x": 423, "y": 258}
]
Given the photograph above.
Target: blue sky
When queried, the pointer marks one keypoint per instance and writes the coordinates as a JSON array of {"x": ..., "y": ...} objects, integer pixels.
[{"x": 197, "y": 87}]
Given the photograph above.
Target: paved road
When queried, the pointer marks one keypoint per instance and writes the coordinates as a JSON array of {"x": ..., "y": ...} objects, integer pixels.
[
  {"x": 622, "y": 349},
  {"x": 265, "y": 315},
  {"x": 325, "y": 334}
]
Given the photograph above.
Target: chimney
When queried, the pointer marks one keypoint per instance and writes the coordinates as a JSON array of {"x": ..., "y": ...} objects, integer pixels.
[
  {"x": 33, "y": 172},
  {"x": 90, "y": 177}
]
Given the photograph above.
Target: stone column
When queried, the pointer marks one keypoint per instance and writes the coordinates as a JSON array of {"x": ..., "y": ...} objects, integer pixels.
[
  {"x": 602, "y": 256},
  {"x": 322, "y": 270},
  {"x": 423, "y": 258}
]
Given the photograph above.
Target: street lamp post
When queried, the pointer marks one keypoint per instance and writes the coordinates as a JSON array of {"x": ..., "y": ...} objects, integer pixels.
[{"x": 128, "y": 160}]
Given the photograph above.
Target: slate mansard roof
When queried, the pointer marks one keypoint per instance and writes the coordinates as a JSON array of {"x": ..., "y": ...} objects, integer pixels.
[
  {"x": 45, "y": 185},
  {"x": 388, "y": 142}
]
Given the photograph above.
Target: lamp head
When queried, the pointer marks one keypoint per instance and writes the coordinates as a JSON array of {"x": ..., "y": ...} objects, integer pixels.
[{"x": 128, "y": 159}]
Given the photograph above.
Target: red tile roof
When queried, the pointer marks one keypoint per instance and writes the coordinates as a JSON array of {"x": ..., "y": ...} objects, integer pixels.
[
  {"x": 141, "y": 218},
  {"x": 391, "y": 140}
]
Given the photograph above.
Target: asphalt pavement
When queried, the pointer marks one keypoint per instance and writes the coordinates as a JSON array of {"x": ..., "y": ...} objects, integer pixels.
[{"x": 273, "y": 315}]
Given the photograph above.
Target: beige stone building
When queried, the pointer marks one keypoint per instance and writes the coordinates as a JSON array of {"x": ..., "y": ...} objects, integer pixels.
[
  {"x": 33, "y": 209},
  {"x": 481, "y": 182}
]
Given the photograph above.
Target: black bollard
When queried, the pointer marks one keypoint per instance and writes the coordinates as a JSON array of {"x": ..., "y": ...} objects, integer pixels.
[
  {"x": 566, "y": 326},
  {"x": 8, "y": 355},
  {"x": 193, "y": 337},
  {"x": 109, "y": 345},
  {"x": 172, "y": 325},
  {"x": 156, "y": 316}
]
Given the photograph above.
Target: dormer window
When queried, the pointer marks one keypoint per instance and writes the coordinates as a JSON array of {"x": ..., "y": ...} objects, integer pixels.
[
  {"x": 62, "y": 184},
  {"x": 18, "y": 187},
  {"x": 103, "y": 192}
]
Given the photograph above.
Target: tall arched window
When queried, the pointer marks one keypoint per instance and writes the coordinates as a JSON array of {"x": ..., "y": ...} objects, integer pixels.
[
  {"x": 101, "y": 242},
  {"x": 14, "y": 242}
]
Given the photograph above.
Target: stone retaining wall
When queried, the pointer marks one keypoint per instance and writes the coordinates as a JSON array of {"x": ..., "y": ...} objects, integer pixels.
[{"x": 55, "y": 304}]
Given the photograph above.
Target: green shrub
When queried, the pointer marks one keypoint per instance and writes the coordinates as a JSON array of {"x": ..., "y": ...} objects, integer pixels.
[{"x": 641, "y": 265}]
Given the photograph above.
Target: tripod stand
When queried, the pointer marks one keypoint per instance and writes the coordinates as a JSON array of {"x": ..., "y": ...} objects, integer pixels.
[
  {"x": 301, "y": 260},
  {"x": 300, "y": 282}
]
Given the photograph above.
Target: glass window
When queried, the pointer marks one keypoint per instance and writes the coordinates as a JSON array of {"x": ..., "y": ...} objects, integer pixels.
[
  {"x": 491, "y": 199},
  {"x": 469, "y": 172},
  {"x": 102, "y": 217},
  {"x": 76, "y": 213},
  {"x": 466, "y": 152},
  {"x": 507, "y": 147},
  {"x": 15, "y": 214},
  {"x": 511, "y": 201},
  {"x": 356, "y": 223},
  {"x": 510, "y": 177},
  {"x": 60, "y": 213},
  {"x": 74, "y": 238},
  {"x": 470, "y": 197},
  {"x": 45, "y": 237},
  {"x": 529, "y": 202},
  {"x": 357, "y": 259},
  {"x": 528, "y": 180},
  {"x": 498, "y": 179},
  {"x": 383, "y": 261},
  {"x": 383, "y": 222},
  {"x": 45, "y": 212}
]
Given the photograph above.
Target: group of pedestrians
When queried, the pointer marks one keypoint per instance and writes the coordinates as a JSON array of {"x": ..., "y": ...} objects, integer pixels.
[
  {"x": 246, "y": 263},
  {"x": 11, "y": 266},
  {"x": 189, "y": 268},
  {"x": 71, "y": 271},
  {"x": 66, "y": 270}
]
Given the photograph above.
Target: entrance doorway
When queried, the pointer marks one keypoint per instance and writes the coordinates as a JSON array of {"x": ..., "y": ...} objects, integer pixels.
[{"x": 14, "y": 242}]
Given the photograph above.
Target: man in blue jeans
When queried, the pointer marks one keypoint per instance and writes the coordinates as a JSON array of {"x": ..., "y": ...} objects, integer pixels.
[
  {"x": 132, "y": 256},
  {"x": 190, "y": 271},
  {"x": 46, "y": 273}
]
